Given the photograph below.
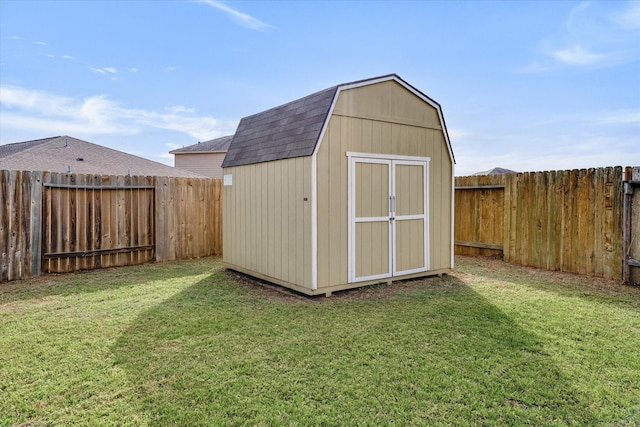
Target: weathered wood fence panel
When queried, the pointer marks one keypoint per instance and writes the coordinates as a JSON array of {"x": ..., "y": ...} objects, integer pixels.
[
  {"x": 52, "y": 222},
  {"x": 92, "y": 221},
  {"x": 479, "y": 212},
  {"x": 560, "y": 220},
  {"x": 191, "y": 222},
  {"x": 20, "y": 223}
]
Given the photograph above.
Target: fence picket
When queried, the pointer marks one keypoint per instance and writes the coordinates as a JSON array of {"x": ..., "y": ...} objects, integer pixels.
[
  {"x": 559, "y": 220},
  {"x": 54, "y": 222}
]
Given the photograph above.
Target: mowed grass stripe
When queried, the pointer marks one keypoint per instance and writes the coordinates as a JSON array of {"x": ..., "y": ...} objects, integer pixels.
[{"x": 190, "y": 344}]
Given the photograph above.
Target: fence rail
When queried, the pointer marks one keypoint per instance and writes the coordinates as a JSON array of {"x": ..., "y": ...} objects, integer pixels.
[
  {"x": 51, "y": 222},
  {"x": 560, "y": 220}
]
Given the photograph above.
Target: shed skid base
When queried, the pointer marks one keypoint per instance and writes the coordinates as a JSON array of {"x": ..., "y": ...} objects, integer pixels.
[{"x": 328, "y": 290}]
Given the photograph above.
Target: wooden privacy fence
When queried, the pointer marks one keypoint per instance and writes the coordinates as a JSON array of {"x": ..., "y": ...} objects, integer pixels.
[
  {"x": 96, "y": 221},
  {"x": 560, "y": 220},
  {"x": 51, "y": 222}
]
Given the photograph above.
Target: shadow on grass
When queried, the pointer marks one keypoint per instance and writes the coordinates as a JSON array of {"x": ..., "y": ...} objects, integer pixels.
[
  {"x": 104, "y": 279},
  {"x": 429, "y": 352},
  {"x": 566, "y": 285}
]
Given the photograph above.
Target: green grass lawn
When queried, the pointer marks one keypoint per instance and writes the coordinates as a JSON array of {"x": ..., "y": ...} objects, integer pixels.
[{"x": 188, "y": 344}]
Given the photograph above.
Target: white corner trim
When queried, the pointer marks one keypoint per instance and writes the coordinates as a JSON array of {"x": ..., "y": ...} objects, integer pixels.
[
  {"x": 351, "y": 274},
  {"x": 453, "y": 212},
  {"x": 314, "y": 221}
]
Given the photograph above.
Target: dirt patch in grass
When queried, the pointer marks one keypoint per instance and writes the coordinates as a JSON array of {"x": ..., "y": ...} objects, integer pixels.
[
  {"x": 189, "y": 343},
  {"x": 370, "y": 292},
  {"x": 466, "y": 267}
]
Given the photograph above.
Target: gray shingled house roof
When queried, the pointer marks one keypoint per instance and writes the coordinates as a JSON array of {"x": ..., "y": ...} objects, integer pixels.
[
  {"x": 7, "y": 150},
  {"x": 217, "y": 145},
  {"x": 64, "y": 154},
  {"x": 495, "y": 171},
  {"x": 291, "y": 130}
]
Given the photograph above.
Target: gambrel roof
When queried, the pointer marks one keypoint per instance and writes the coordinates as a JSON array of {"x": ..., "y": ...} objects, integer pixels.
[
  {"x": 294, "y": 129},
  {"x": 66, "y": 154}
]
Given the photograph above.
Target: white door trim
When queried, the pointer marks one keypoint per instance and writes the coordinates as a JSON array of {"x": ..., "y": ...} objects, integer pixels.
[
  {"x": 391, "y": 160},
  {"x": 424, "y": 216},
  {"x": 353, "y": 220}
]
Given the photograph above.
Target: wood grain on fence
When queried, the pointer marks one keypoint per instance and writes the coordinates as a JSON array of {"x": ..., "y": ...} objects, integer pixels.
[
  {"x": 54, "y": 222},
  {"x": 20, "y": 222},
  {"x": 91, "y": 221},
  {"x": 191, "y": 222},
  {"x": 479, "y": 212},
  {"x": 560, "y": 220}
]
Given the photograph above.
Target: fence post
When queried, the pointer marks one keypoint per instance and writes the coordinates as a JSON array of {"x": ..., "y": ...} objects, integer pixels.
[{"x": 36, "y": 223}]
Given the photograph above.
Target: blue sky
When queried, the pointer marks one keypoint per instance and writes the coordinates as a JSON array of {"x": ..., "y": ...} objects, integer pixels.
[{"x": 528, "y": 86}]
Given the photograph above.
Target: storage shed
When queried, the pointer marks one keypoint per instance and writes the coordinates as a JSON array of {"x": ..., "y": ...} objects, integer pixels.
[{"x": 348, "y": 186}]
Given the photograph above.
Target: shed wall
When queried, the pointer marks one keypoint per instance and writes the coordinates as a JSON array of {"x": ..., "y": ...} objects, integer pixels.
[
  {"x": 384, "y": 118},
  {"x": 267, "y": 221},
  {"x": 206, "y": 164}
]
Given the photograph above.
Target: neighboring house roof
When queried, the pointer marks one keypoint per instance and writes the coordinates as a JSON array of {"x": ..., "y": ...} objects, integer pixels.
[
  {"x": 294, "y": 129},
  {"x": 7, "y": 150},
  {"x": 217, "y": 145},
  {"x": 495, "y": 171},
  {"x": 66, "y": 154}
]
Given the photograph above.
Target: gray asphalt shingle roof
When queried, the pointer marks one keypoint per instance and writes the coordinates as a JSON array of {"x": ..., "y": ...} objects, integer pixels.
[
  {"x": 290, "y": 130},
  {"x": 217, "y": 145},
  {"x": 293, "y": 129},
  {"x": 7, "y": 150},
  {"x": 61, "y": 153}
]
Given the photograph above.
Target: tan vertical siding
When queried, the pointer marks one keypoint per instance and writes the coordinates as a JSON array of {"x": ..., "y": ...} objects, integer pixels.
[
  {"x": 267, "y": 222},
  {"x": 383, "y": 118},
  {"x": 206, "y": 164}
]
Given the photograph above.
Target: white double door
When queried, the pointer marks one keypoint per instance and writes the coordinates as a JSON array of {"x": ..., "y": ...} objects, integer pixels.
[{"x": 388, "y": 216}]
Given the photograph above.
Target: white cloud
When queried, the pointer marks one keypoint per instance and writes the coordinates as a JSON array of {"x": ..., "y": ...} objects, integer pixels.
[
  {"x": 41, "y": 110},
  {"x": 41, "y": 43},
  {"x": 595, "y": 35},
  {"x": 171, "y": 68},
  {"x": 242, "y": 18},
  {"x": 133, "y": 70},
  {"x": 622, "y": 117},
  {"x": 534, "y": 67},
  {"x": 200, "y": 128},
  {"x": 577, "y": 55},
  {"x": 104, "y": 70},
  {"x": 29, "y": 110},
  {"x": 575, "y": 12},
  {"x": 68, "y": 57},
  {"x": 176, "y": 109},
  {"x": 555, "y": 152},
  {"x": 628, "y": 18},
  {"x": 458, "y": 133},
  {"x": 172, "y": 146}
]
